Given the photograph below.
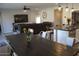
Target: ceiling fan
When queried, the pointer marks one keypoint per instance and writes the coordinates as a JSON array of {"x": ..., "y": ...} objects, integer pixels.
[{"x": 26, "y": 9}]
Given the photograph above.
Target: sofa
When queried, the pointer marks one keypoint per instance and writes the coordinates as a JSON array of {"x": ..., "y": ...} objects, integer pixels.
[{"x": 37, "y": 28}]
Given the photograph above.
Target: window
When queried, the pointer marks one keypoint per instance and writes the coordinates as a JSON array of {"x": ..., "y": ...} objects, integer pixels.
[{"x": 38, "y": 20}]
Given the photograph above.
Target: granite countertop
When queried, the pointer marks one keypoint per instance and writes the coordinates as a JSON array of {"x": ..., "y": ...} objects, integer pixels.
[
  {"x": 66, "y": 29},
  {"x": 63, "y": 29}
]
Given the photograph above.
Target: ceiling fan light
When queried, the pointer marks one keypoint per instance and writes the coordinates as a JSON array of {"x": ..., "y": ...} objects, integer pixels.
[{"x": 25, "y": 10}]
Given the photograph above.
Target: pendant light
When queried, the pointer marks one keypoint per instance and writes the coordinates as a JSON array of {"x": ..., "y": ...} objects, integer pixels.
[
  {"x": 72, "y": 9},
  {"x": 67, "y": 9},
  {"x": 59, "y": 7}
]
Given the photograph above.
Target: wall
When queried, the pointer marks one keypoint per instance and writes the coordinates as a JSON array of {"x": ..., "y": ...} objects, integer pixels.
[
  {"x": 0, "y": 18},
  {"x": 33, "y": 16},
  {"x": 8, "y": 19},
  {"x": 1, "y": 21},
  {"x": 50, "y": 14},
  {"x": 69, "y": 13}
]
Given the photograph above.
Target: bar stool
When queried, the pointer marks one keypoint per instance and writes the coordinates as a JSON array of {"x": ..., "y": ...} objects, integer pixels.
[{"x": 46, "y": 34}]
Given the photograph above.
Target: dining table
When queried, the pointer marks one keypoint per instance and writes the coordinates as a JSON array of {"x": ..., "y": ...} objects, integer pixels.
[{"x": 38, "y": 46}]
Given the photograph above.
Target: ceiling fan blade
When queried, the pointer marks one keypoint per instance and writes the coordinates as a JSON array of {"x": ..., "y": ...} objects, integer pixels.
[{"x": 27, "y": 8}]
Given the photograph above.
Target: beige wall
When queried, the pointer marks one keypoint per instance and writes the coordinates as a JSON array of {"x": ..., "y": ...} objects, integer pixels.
[
  {"x": 0, "y": 18},
  {"x": 8, "y": 19},
  {"x": 50, "y": 15}
]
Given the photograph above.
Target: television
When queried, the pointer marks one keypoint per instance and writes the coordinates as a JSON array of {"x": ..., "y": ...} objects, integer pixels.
[{"x": 19, "y": 18}]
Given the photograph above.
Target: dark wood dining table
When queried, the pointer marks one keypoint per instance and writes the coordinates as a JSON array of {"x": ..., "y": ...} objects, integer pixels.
[{"x": 37, "y": 46}]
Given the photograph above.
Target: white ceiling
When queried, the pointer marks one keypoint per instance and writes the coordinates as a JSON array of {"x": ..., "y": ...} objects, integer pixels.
[
  {"x": 5, "y": 6},
  {"x": 21, "y": 5}
]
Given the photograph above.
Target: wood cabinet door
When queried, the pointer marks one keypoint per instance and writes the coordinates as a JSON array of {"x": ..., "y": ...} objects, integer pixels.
[{"x": 58, "y": 17}]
